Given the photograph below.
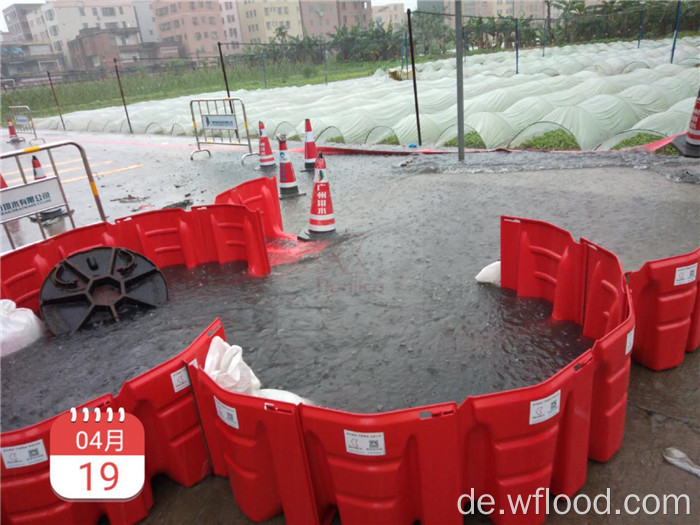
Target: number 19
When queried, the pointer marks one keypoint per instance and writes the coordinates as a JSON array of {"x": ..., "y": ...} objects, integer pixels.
[{"x": 113, "y": 478}]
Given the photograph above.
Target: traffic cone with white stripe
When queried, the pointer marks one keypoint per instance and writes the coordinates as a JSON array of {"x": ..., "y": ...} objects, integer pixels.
[
  {"x": 288, "y": 181},
  {"x": 13, "y": 134},
  {"x": 267, "y": 159},
  {"x": 37, "y": 169},
  {"x": 689, "y": 145},
  {"x": 321, "y": 219},
  {"x": 309, "y": 149},
  {"x": 3, "y": 184}
]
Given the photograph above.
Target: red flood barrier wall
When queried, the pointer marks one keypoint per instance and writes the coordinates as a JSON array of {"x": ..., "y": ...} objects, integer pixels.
[
  {"x": 162, "y": 399},
  {"x": 666, "y": 298},
  {"x": 413, "y": 464},
  {"x": 215, "y": 233},
  {"x": 259, "y": 195}
]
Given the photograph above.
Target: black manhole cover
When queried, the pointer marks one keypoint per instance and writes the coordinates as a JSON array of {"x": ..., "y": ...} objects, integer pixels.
[{"x": 98, "y": 285}]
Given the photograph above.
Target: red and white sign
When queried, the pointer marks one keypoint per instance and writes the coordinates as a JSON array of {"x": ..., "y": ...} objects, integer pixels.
[{"x": 97, "y": 455}]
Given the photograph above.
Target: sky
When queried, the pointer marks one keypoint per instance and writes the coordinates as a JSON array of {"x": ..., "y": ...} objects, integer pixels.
[{"x": 7, "y": 3}]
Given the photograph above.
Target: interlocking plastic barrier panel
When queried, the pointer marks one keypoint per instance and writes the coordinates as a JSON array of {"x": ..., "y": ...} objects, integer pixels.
[
  {"x": 412, "y": 465},
  {"x": 259, "y": 195},
  {"x": 214, "y": 233},
  {"x": 162, "y": 399},
  {"x": 666, "y": 299}
]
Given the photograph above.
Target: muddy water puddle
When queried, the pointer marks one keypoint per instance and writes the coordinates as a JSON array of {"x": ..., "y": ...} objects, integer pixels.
[{"x": 342, "y": 338}]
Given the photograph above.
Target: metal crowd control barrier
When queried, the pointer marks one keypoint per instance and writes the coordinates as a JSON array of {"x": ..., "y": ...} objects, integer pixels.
[
  {"x": 32, "y": 198},
  {"x": 23, "y": 121},
  {"x": 219, "y": 123}
]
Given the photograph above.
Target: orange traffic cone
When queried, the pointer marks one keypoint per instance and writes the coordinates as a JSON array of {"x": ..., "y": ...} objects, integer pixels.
[
  {"x": 321, "y": 219},
  {"x": 267, "y": 159},
  {"x": 3, "y": 184},
  {"x": 689, "y": 145},
  {"x": 38, "y": 170},
  {"x": 13, "y": 133},
  {"x": 309, "y": 149},
  {"x": 288, "y": 181}
]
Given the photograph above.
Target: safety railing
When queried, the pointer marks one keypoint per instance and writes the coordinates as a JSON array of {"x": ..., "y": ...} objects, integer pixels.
[
  {"x": 34, "y": 197},
  {"x": 219, "y": 123},
  {"x": 24, "y": 123}
]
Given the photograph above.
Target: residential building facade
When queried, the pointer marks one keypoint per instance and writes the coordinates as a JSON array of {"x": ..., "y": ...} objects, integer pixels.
[
  {"x": 59, "y": 21},
  {"x": 197, "y": 26},
  {"x": 17, "y": 22},
  {"x": 394, "y": 13}
]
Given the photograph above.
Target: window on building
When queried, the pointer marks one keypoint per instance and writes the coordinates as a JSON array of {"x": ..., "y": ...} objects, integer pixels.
[
  {"x": 198, "y": 36},
  {"x": 214, "y": 48},
  {"x": 162, "y": 11},
  {"x": 173, "y": 8},
  {"x": 81, "y": 11},
  {"x": 49, "y": 14},
  {"x": 124, "y": 24},
  {"x": 85, "y": 26},
  {"x": 214, "y": 34},
  {"x": 268, "y": 25},
  {"x": 206, "y": 34},
  {"x": 195, "y": 21},
  {"x": 288, "y": 24},
  {"x": 208, "y": 4},
  {"x": 192, "y": 5},
  {"x": 112, "y": 25},
  {"x": 53, "y": 30},
  {"x": 121, "y": 10},
  {"x": 98, "y": 25},
  {"x": 58, "y": 46},
  {"x": 212, "y": 20},
  {"x": 176, "y": 23},
  {"x": 266, "y": 12},
  {"x": 286, "y": 10},
  {"x": 279, "y": 10},
  {"x": 165, "y": 26},
  {"x": 94, "y": 11},
  {"x": 109, "y": 11}
]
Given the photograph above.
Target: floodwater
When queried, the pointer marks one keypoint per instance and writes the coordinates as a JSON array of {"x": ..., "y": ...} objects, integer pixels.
[
  {"x": 389, "y": 316},
  {"x": 341, "y": 340}
]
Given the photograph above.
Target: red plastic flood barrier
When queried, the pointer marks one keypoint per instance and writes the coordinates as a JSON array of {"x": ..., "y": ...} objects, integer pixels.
[
  {"x": 413, "y": 464},
  {"x": 27, "y": 497},
  {"x": 666, "y": 298},
  {"x": 162, "y": 399},
  {"x": 215, "y": 233},
  {"x": 259, "y": 195},
  {"x": 257, "y": 444}
]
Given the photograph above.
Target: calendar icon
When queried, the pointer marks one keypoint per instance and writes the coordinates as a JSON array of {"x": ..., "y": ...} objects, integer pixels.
[{"x": 97, "y": 455}]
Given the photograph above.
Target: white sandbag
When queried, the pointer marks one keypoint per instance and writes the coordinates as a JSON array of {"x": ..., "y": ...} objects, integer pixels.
[
  {"x": 491, "y": 274},
  {"x": 212, "y": 364},
  {"x": 282, "y": 395},
  {"x": 19, "y": 327},
  {"x": 225, "y": 365}
]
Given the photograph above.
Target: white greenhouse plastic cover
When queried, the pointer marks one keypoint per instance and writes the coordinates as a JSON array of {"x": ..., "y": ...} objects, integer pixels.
[{"x": 596, "y": 92}]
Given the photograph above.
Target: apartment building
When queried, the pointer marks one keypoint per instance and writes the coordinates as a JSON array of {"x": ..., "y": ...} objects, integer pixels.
[
  {"x": 232, "y": 26},
  {"x": 17, "y": 22},
  {"x": 197, "y": 26},
  {"x": 59, "y": 21},
  {"x": 260, "y": 19},
  {"x": 518, "y": 8},
  {"x": 97, "y": 48},
  {"x": 352, "y": 13},
  {"x": 394, "y": 13},
  {"x": 146, "y": 21},
  {"x": 319, "y": 18}
]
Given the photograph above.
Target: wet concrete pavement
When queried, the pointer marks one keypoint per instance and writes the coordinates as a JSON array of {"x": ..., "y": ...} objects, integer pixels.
[{"x": 627, "y": 203}]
